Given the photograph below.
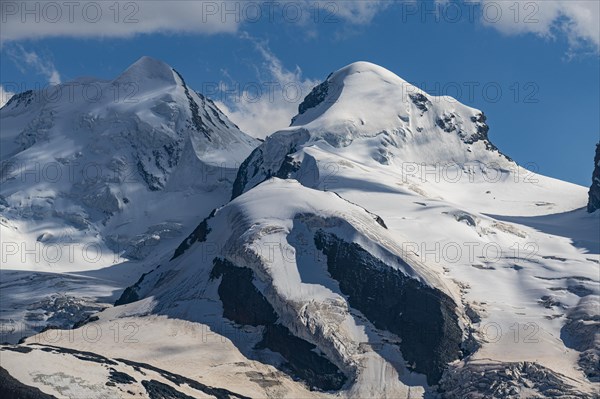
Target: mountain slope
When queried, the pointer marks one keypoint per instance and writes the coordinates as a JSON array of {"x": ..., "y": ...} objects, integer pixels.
[
  {"x": 364, "y": 118},
  {"x": 381, "y": 246},
  {"x": 292, "y": 254},
  {"x": 519, "y": 245},
  {"x": 96, "y": 173}
]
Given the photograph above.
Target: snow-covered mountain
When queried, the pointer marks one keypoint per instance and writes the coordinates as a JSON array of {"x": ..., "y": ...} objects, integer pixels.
[
  {"x": 101, "y": 173},
  {"x": 312, "y": 265},
  {"x": 516, "y": 244},
  {"x": 364, "y": 120},
  {"x": 381, "y": 246}
]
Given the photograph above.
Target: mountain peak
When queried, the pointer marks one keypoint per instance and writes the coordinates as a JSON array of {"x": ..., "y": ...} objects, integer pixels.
[
  {"x": 367, "y": 68},
  {"x": 357, "y": 85},
  {"x": 148, "y": 69},
  {"x": 364, "y": 99}
]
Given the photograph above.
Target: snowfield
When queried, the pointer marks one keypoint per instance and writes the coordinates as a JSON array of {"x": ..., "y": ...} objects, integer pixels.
[{"x": 381, "y": 246}]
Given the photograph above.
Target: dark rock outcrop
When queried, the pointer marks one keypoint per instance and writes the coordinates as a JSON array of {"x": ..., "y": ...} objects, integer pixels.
[
  {"x": 314, "y": 98},
  {"x": 303, "y": 361},
  {"x": 198, "y": 235},
  {"x": 420, "y": 101},
  {"x": 497, "y": 380},
  {"x": 594, "y": 193},
  {"x": 25, "y": 98},
  {"x": 254, "y": 165},
  {"x": 248, "y": 169},
  {"x": 177, "y": 379},
  {"x": 196, "y": 121},
  {"x": 158, "y": 390},
  {"x": 11, "y": 388},
  {"x": 81, "y": 355},
  {"x": 424, "y": 318},
  {"x": 582, "y": 333},
  {"x": 118, "y": 377},
  {"x": 130, "y": 294},
  {"x": 244, "y": 304},
  {"x": 480, "y": 121}
]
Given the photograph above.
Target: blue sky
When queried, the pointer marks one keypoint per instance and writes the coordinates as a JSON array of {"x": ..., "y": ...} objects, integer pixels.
[{"x": 534, "y": 70}]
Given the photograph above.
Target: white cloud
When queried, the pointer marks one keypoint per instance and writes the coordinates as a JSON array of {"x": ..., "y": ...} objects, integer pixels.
[
  {"x": 356, "y": 12},
  {"x": 361, "y": 12},
  {"x": 31, "y": 60},
  {"x": 33, "y": 19},
  {"x": 4, "y": 96},
  {"x": 102, "y": 19},
  {"x": 269, "y": 103},
  {"x": 579, "y": 20}
]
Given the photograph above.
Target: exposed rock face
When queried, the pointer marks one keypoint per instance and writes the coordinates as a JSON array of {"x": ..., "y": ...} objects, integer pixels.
[
  {"x": 424, "y": 318},
  {"x": 285, "y": 170},
  {"x": 303, "y": 361},
  {"x": 582, "y": 332},
  {"x": 130, "y": 294},
  {"x": 248, "y": 169},
  {"x": 11, "y": 388},
  {"x": 62, "y": 311},
  {"x": 594, "y": 193},
  {"x": 24, "y": 98},
  {"x": 244, "y": 304},
  {"x": 271, "y": 159},
  {"x": 198, "y": 235},
  {"x": 420, "y": 101},
  {"x": 148, "y": 380},
  {"x": 219, "y": 393},
  {"x": 158, "y": 390},
  {"x": 494, "y": 380},
  {"x": 314, "y": 98}
]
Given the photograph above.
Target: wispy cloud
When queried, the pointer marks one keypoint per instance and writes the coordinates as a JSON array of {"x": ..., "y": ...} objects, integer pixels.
[
  {"x": 361, "y": 12},
  {"x": 268, "y": 104},
  {"x": 30, "y": 60},
  {"x": 577, "y": 20},
  {"x": 33, "y": 19}
]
